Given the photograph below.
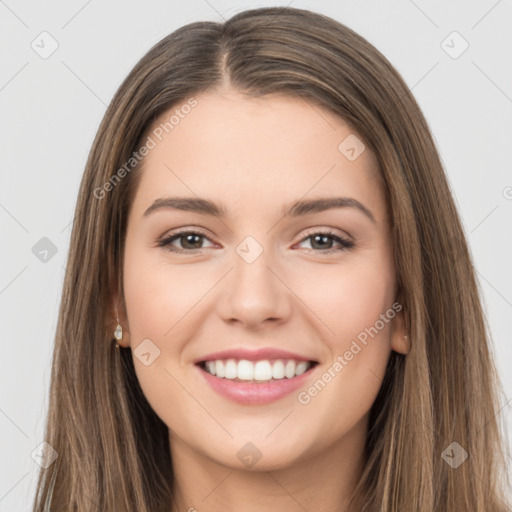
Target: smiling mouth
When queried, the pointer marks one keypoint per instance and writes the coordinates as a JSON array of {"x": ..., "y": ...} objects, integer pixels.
[{"x": 250, "y": 372}]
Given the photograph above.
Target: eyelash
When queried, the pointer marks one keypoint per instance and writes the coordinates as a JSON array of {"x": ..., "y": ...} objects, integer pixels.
[{"x": 344, "y": 243}]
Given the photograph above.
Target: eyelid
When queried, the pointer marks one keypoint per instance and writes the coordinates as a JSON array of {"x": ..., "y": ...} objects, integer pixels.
[
  {"x": 328, "y": 231},
  {"x": 186, "y": 229}
]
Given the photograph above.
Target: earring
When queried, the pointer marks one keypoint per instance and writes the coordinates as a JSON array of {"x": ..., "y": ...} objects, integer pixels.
[{"x": 118, "y": 333}]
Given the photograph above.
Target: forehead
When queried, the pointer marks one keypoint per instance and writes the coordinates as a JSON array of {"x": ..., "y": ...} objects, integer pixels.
[{"x": 250, "y": 150}]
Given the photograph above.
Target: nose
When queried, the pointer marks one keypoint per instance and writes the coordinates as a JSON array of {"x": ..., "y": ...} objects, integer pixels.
[{"x": 254, "y": 294}]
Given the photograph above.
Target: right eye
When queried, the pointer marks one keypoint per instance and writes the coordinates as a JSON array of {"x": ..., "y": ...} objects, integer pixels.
[{"x": 190, "y": 241}]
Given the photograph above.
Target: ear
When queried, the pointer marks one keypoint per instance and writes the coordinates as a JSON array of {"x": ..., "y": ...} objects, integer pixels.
[
  {"x": 117, "y": 310},
  {"x": 400, "y": 340}
]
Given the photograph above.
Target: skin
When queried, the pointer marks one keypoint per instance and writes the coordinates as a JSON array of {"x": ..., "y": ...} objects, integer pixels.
[{"x": 256, "y": 156}]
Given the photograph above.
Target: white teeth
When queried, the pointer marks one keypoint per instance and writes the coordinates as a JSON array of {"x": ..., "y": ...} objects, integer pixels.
[
  {"x": 219, "y": 368},
  {"x": 278, "y": 370},
  {"x": 245, "y": 370},
  {"x": 289, "y": 369},
  {"x": 211, "y": 367},
  {"x": 230, "y": 369},
  {"x": 301, "y": 368},
  {"x": 258, "y": 371},
  {"x": 262, "y": 370}
]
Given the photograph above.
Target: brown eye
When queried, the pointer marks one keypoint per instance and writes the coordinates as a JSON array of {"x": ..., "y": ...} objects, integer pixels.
[
  {"x": 323, "y": 242},
  {"x": 187, "y": 241}
]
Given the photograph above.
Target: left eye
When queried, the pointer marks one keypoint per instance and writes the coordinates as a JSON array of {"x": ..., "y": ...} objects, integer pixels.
[{"x": 324, "y": 241}]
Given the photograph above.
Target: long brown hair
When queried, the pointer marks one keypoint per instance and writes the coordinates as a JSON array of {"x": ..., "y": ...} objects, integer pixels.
[{"x": 113, "y": 450}]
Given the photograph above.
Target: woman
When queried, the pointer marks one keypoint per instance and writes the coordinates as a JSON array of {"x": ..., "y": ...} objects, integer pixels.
[{"x": 269, "y": 302}]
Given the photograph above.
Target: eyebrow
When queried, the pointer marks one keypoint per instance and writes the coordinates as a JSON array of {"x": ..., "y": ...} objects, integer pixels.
[{"x": 297, "y": 209}]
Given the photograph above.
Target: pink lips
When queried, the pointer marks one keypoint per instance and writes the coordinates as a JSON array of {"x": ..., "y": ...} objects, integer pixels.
[{"x": 252, "y": 393}]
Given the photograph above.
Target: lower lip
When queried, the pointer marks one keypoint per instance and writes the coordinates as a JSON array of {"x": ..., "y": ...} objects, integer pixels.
[{"x": 251, "y": 393}]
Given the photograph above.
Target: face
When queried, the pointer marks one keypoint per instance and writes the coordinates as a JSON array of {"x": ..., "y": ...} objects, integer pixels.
[{"x": 225, "y": 274}]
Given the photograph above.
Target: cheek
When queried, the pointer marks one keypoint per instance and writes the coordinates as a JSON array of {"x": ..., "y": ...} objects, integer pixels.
[
  {"x": 158, "y": 295},
  {"x": 163, "y": 304},
  {"x": 148, "y": 299},
  {"x": 350, "y": 299},
  {"x": 356, "y": 304},
  {"x": 158, "y": 305}
]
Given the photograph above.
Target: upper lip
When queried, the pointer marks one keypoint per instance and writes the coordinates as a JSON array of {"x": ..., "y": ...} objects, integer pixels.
[{"x": 252, "y": 355}]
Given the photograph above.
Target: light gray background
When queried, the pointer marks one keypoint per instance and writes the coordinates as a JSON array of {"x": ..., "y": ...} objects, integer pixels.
[{"x": 51, "y": 109}]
